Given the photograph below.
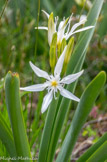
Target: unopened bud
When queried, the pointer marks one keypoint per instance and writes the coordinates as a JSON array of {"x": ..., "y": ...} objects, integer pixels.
[
  {"x": 68, "y": 54},
  {"x": 58, "y": 49},
  {"x": 51, "y": 28},
  {"x": 63, "y": 44},
  {"x": 52, "y": 51},
  {"x": 87, "y": 3}
]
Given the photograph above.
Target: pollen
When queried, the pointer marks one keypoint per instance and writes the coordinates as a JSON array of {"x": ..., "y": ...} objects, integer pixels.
[{"x": 54, "y": 83}]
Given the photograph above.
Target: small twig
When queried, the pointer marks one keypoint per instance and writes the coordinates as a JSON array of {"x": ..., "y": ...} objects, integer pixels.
[
  {"x": 95, "y": 121},
  {"x": 2, "y": 12}
]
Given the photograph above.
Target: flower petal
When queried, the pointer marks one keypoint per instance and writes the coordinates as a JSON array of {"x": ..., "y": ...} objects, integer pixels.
[
  {"x": 39, "y": 72},
  {"x": 35, "y": 88},
  {"x": 83, "y": 17},
  {"x": 68, "y": 94},
  {"x": 82, "y": 21},
  {"x": 46, "y": 13},
  {"x": 76, "y": 26},
  {"x": 61, "y": 25},
  {"x": 61, "y": 30},
  {"x": 46, "y": 101},
  {"x": 59, "y": 64},
  {"x": 71, "y": 78},
  {"x": 83, "y": 29},
  {"x": 41, "y": 27},
  {"x": 69, "y": 23}
]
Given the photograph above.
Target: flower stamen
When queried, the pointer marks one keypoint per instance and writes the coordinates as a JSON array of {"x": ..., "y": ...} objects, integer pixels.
[{"x": 54, "y": 83}]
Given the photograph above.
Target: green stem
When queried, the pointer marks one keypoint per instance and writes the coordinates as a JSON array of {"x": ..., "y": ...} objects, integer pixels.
[
  {"x": 3, "y": 9},
  {"x": 30, "y": 115}
]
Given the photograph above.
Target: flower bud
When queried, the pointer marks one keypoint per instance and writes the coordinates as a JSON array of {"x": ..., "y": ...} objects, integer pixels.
[
  {"x": 87, "y": 3},
  {"x": 68, "y": 54},
  {"x": 52, "y": 51},
  {"x": 58, "y": 49},
  {"x": 63, "y": 44},
  {"x": 51, "y": 28}
]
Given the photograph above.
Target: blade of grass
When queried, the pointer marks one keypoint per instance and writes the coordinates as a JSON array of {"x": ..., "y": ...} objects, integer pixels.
[
  {"x": 7, "y": 137},
  {"x": 100, "y": 154},
  {"x": 93, "y": 148},
  {"x": 5, "y": 5}
]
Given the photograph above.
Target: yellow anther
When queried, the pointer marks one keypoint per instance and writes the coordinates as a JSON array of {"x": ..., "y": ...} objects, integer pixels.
[{"x": 54, "y": 83}]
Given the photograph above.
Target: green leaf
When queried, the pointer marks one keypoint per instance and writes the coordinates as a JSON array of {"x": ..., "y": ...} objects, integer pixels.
[
  {"x": 15, "y": 114},
  {"x": 47, "y": 131},
  {"x": 100, "y": 154},
  {"x": 7, "y": 137},
  {"x": 102, "y": 30},
  {"x": 93, "y": 148},
  {"x": 83, "y": 109}
]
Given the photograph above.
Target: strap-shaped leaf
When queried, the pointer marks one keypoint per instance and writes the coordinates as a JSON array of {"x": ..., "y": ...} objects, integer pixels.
[
  {"x": 83, "y": 109},
  {"x": 15, "y": 114},
  {"x": 47, "y": 132},
  {"x": 93, "y": 148},
  {"x": 100, "y": 154},
  {"x": 7, "y": 137}
]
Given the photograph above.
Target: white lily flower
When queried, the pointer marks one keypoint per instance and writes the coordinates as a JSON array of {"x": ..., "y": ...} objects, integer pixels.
[
  {"x": 53, "y": 83},
  {"x": 63, "y": 30}
]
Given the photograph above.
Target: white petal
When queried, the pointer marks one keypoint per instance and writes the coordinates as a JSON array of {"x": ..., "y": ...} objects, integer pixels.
[
  {"x": 46, "y": 13},
  {"x": 61, "y": 25},
  {"x": 83, "y": 29},
  {"x": 41, "y": 27},
  {"x": 67, "y": 94},
  {"x": 69, "y": 24},
  {"x": 35, "y": 88},
  {"x": 56, "y": 21},
  {"x": 76, "y": 26},
  {"x": 46, "y": 101},
  {"x": 71, "y": 78},
  {"x": 59, "y": 64},
  {"x": 83, "y": 17},
  {"x": 61, "y": 30},
  {"x": 51, "y": 29},
  {"x": 39, "y": 72}
]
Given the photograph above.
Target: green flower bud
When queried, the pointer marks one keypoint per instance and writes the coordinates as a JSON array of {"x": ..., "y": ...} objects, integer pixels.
[
  {"x": 51, "y": 28},
  {"x": 68, "y": 54},
  {"x": 87, "y": 3},
  {"x": 58, "y": 49},
  {"x": 63, "y": 44},
  {"x": 52, "y": 51}
]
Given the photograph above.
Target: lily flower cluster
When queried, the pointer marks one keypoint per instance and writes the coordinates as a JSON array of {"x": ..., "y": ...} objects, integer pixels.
[
  {"x": 55, "y": 83},
  {"x": 63, "y": 30}
]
